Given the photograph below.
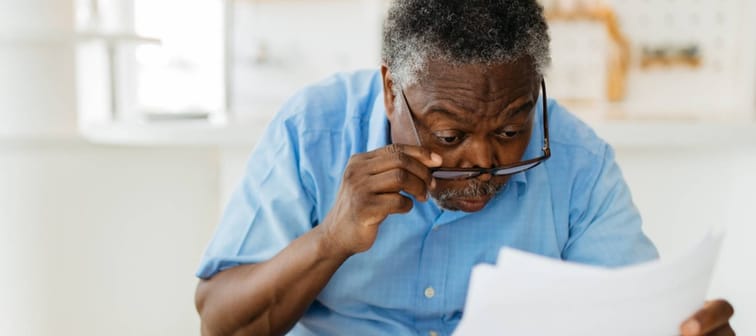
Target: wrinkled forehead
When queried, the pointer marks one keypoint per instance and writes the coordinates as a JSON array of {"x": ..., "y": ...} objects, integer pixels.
[{"x": 503, "y": 82}]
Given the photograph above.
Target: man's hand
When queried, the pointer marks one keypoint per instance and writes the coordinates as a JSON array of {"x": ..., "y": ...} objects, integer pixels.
[
  {"x": 370, "y": 192},
  {"x": 713, "y": 320},
  {"x": 268, "y": 298}
]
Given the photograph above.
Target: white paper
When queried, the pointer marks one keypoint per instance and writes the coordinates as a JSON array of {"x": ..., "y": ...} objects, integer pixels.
[{"x": 527, "y": 294}]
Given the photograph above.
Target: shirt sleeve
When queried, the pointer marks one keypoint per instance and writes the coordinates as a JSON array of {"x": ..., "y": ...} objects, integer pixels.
[
  {"x": 269, "y": 208},
  {"x": 605, "y": 226}
]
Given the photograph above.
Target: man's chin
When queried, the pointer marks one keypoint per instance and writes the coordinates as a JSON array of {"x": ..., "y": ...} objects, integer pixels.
[{"x": 467, "y": 204}]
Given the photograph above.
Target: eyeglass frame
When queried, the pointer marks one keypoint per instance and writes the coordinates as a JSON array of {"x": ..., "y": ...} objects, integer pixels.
[{"x": 468, "y": 173}]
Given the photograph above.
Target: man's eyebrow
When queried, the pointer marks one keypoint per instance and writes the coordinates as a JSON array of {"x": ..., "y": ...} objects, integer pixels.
[{"x": 511, "y": 112}]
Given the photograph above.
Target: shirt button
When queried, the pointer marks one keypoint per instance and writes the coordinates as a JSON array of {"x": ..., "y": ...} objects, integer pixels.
[
  {"x": 432, "y": 333},
  {"x": 430, "y": 292}
]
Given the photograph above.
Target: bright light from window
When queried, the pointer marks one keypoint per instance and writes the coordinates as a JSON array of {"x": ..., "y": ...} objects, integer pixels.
[{"x": 184, "y": 74}]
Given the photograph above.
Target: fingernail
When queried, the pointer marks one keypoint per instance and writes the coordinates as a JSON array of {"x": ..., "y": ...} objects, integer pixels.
[
  {"x": 436, "y": 158},
  {"x": 691, "y": 327},
  {"x": 433, "y": 183}
]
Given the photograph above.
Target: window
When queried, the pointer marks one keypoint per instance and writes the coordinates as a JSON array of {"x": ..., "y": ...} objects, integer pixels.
[{"x": 161, "y": 59}]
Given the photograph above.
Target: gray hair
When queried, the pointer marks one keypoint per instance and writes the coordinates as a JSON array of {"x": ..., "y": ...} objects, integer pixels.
[{"x": 462, "y": 32}]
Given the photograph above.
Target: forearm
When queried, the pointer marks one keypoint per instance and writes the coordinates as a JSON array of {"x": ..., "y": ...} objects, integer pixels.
[{"x": 268, "y": 298}]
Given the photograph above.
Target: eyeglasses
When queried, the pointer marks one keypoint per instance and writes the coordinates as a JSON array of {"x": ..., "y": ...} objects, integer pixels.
[{"x": 509, "y": 169}]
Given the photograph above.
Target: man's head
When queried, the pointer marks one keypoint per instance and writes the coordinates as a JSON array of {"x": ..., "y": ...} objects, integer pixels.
[{"x": 470, "y": 71}]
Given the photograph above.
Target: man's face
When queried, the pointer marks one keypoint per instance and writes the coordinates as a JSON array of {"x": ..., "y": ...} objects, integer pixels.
[{"x": 474, "y": 116}]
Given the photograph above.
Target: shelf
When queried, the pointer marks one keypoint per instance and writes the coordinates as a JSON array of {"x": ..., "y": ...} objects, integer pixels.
[
  {"x": 41, "y": 138},
  {"x": 624, "y": 134},
  {"x": 621, "y": 134},
  {"x": 177, "y": 133},
  {"x": 87, "y": 35}
]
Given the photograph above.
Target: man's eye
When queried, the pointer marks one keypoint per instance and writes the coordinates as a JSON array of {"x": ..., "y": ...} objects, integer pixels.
[
  {"x": 449, "y": 139},
  {"x": 509, "y": 133}
]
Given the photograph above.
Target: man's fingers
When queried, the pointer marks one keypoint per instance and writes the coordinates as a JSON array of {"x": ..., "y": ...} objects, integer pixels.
[
  {"x": 425, "y": 156},
  {"x": 398, "y": 179},
  {"x": 712, "y": 316},
  {"x": 393, "y": 203},
  {"x": 387, "y": 161},
  {"x": 724, "y": 330}
]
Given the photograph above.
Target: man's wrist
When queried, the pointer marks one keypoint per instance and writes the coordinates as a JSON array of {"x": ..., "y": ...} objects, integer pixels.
[{"x": 327, "y": 248}]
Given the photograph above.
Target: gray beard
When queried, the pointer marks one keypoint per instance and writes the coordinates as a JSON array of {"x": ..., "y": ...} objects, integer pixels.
[{"x": 475, "y": 188}]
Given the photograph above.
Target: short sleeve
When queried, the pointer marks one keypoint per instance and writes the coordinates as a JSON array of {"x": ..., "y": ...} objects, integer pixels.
[
  {"x": 270, "y": 207},
  {"x": 605, "y": 226}
]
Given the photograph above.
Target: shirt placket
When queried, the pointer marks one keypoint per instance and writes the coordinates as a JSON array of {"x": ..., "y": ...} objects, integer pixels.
[{"x": 432, "y": 280}]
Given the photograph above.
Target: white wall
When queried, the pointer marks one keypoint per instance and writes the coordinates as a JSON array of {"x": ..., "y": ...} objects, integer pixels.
[
  {"x": 682, "y": 192},
  {"x": 102, "y": 240},
  {"x": 37, "y": 94},
  {"x": 94, "y": 240}
]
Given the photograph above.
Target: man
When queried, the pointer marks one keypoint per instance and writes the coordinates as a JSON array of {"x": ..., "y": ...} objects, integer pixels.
[{"x": 372, "y": 195}]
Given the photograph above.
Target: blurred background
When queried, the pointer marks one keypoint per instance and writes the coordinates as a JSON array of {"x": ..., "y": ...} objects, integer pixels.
[{"x": 124, "y": 125}]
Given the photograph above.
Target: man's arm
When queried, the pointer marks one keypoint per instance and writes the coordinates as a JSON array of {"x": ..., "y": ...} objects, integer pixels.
[
  {"x": 607, "y": 230},
  {"x": 269, "y": 297},
  {"x": 605, "y": 226}
]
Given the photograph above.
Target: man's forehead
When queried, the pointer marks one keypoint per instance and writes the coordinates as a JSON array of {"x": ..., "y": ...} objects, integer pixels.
[{"x": 488, "y": 81}]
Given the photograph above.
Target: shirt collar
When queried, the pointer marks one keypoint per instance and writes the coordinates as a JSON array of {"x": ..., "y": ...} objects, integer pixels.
[{"x": 379, "y": 136}]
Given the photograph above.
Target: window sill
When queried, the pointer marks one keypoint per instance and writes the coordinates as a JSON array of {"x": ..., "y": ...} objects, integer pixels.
[
  {"x": 177, "y": 133},
  {"x": 620, "y": 134},
  {"x": 639, "y": 134}
]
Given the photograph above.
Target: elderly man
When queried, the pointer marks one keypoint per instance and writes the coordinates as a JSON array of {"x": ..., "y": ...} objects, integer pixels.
[{"x": 372, "y": 195}]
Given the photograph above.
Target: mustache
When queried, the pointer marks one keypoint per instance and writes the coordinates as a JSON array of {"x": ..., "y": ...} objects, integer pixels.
[{"x": 474, "y": 188}]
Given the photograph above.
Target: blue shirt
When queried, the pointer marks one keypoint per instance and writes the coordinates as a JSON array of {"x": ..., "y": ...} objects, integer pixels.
[{"x": 575, "y": 206}]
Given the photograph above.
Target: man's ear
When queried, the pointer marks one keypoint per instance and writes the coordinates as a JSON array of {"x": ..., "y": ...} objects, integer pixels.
[{"x": 388, "y": 92}]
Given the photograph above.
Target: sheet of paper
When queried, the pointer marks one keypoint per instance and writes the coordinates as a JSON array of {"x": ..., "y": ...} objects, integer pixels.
[{"x": 527, "y": 294}]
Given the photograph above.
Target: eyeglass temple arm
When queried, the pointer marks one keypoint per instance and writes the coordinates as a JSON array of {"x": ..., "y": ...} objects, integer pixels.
[
  {"x": 411, "y": 118},
  {"x": 546, "y": 145}
]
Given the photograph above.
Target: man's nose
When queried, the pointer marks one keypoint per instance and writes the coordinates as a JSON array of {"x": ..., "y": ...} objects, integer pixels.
[{"x": 480, "y": 155}]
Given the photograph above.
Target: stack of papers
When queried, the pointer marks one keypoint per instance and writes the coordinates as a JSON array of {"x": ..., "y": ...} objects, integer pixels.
[{"x": 527, "y": 294}]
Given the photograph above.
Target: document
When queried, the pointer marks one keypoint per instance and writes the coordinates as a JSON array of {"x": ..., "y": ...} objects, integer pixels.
[{"x": 530, "y": 295}]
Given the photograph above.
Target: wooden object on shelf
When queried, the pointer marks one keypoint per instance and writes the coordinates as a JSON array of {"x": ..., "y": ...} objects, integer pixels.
[
  {"x": 619, "y": 58},
  {"x": 669, "y": 56}
]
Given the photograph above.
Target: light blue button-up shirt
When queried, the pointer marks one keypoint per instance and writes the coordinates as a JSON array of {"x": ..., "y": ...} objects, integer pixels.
[{"x": 575, "y": 206}]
